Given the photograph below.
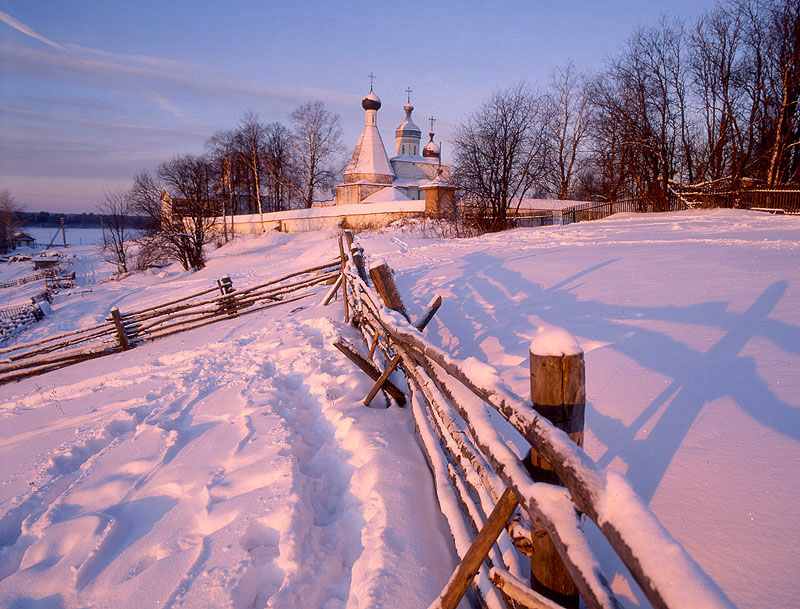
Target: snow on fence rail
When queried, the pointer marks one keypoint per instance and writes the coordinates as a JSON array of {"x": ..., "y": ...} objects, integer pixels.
[
  {"x": 123, "y": 331},
  {"x": 481, "y": 482}
]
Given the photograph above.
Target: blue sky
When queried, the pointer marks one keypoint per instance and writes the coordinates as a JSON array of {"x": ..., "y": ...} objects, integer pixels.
[{"x": 94, "y": 91}]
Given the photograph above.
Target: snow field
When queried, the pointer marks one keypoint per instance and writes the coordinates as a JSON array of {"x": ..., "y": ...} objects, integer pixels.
[
  {"x": 234, "y": 465},
  {"x": 229, "y": 468},
  {"x": 689, "y": 324}
]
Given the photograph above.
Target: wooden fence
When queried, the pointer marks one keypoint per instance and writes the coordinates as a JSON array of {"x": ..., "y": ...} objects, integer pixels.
[
  {"x": 28, "y": 279},
  {"x": 499, "y": 505},
  {"x": 597, "y": 211},
  {"x": 15, "y": 320},
  {"x": 784, "y": 199},
  {"x": 123, "y": 331}
]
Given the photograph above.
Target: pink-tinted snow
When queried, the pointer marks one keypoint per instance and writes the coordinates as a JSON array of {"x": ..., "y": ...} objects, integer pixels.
[{"x": 234, "y": 466}]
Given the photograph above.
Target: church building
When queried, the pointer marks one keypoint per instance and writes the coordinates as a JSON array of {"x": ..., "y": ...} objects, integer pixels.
[{"x": 414, "y": 173}]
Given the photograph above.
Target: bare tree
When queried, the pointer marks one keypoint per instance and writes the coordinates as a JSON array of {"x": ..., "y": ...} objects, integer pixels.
[
  {"x": 782, "y": 133},
  {"x": 179, "y": 224},
  {"x": 278, "y": 164},
  {"x": 9, "y": 222},
  {"x": 637, "y": 127},
  {"x": 189, "y": 215},
  {"x": 500, "y": 153},
  {"x": 716, "y": 65},
  {"x": 145, "y": 196},
  {"x": 568, "y": 120},
  {"x": 252, "y": 136},
  {"x": 117, "y": 238},
  {"x": 222, "y": 152},
  {"x": 317, "y": 148}
]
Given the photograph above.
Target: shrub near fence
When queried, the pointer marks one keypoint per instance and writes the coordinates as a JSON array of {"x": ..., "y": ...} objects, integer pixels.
[{"x": 480, "y": 481}]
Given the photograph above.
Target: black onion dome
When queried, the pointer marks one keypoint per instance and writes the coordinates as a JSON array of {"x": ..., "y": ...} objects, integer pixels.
[{"x": 371, "y": 101}]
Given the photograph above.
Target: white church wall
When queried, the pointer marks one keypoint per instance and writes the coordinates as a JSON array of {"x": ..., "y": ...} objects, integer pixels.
[{"x": 357, "y": 216}]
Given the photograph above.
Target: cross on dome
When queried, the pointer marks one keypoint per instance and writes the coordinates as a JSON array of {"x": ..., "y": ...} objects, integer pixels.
[
  {"x": 432, "y": 120},
  {"x": 371, "y": 77},
  {"x": 409, "y": 91}
]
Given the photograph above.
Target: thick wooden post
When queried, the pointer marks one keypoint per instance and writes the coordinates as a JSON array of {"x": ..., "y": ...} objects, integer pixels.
[
  {"x": 121, "y": 335},
  {"x": 558, "y": 392},
  {"x": 384, "y": 283}
]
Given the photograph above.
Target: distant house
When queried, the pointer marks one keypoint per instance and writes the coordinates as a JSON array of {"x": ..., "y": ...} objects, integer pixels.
[{"x": 21, "y": 239}]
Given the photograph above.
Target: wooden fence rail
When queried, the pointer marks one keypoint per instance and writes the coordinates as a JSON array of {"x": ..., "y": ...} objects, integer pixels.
[
  {"x": 123, "y": 331},
  {"x": 496, "y": 507},
  {"x": 598, "y": 211},
  {"x": 28, "y": 279}
]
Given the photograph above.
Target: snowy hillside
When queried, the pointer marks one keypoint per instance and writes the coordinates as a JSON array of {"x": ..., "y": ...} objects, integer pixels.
[{"x": 234, "y": 466}]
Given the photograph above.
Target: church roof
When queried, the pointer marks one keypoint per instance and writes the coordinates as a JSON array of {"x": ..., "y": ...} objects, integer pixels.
[
  {"x": 408, "y": 126},
  {"x": 369, "y": 155}
]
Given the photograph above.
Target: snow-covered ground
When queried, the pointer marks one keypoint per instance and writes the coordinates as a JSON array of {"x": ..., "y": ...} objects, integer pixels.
[
  {"x": 234, "y": 466},
  {"x": 45, "y": 235}
]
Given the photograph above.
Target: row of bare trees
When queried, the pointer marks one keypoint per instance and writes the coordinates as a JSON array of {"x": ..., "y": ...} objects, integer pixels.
[
  {"x": 253, "y": 169},
  {"x": 9, "y": 219},
  {"x": 711, "y": 103}
]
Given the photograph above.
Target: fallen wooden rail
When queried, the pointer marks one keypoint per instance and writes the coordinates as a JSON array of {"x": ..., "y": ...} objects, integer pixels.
[
  {"x": 123, "y": 331},
  {"x": 481, "y": 481}
]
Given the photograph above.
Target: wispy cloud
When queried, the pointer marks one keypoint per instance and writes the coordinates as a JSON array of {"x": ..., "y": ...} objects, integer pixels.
[
  {"x": 21, "y": 27},
  {"x": 100, "y": 68},
  {"x": 123, "y": 58},
  {"x": 167, "y": 106}
]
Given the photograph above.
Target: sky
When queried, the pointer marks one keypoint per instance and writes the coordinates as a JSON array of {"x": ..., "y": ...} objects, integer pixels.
[{"x": 92, "y": 92}]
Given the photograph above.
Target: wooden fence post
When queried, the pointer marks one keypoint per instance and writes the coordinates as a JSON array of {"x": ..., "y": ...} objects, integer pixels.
[
  {"x": 386, "y": 287},
  {"x": 121, "y": 335},
  {"x": 344, "y": 283},
  {"x": 355, "y": 250},
  {"x": 558, "y": 392},
  {"x": 227, "y": 304}
]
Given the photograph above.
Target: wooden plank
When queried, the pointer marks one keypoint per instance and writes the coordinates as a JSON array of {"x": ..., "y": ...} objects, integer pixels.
[
  {"x": 332, "y": 291},
  {"x": 483, "y": 542},
  {"x": 370, "y": 369},
  {"x": 384, "y": 283}
]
